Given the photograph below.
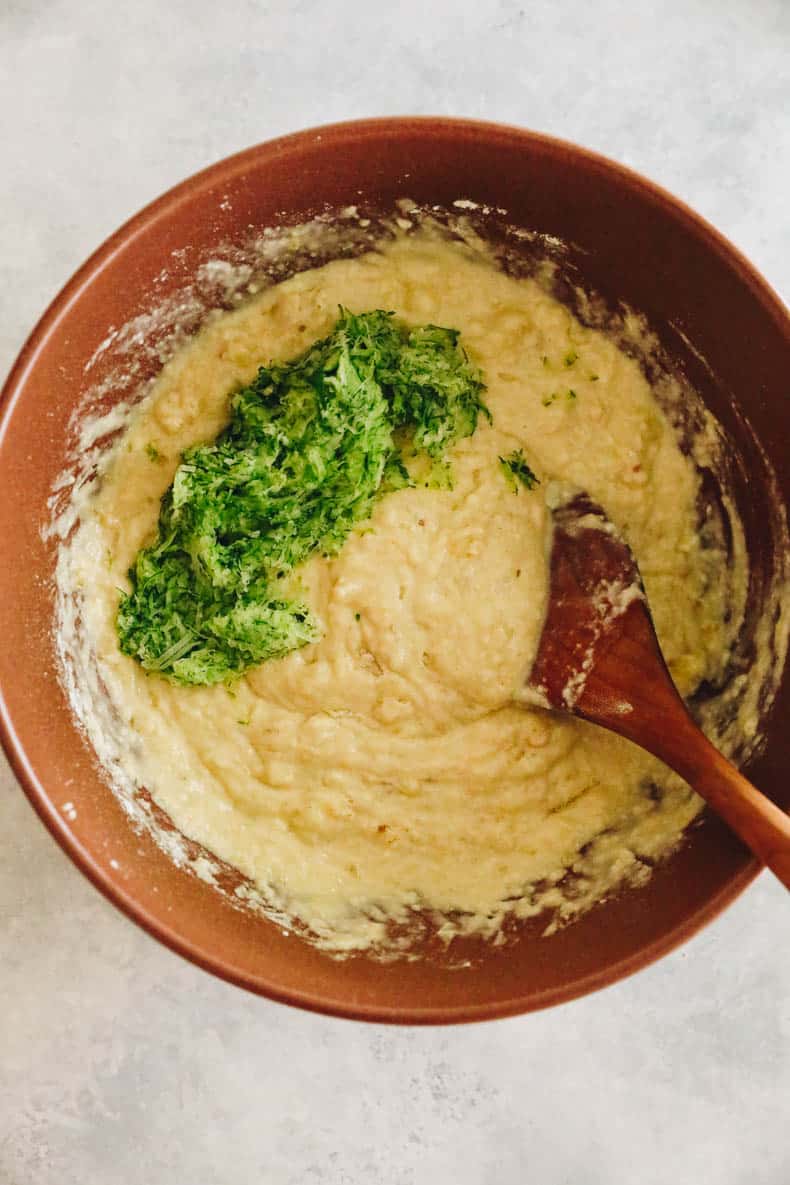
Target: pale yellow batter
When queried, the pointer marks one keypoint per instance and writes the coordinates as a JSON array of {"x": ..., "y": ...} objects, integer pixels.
[{"x": 387, "y": 767}]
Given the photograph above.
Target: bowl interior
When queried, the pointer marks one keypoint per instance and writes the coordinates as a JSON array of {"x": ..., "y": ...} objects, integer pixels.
[{"x": 716, "y": 318}]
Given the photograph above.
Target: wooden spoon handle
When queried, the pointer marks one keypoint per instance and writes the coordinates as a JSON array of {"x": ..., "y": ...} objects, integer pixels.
[
  {"x": 632, "y": 673},
  {"x": 762, "y": 825},
  {"x": 666, "y": 728}
]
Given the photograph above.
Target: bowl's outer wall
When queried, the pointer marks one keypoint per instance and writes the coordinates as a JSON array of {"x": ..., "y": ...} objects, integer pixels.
[{"x": 639, "y": 246}]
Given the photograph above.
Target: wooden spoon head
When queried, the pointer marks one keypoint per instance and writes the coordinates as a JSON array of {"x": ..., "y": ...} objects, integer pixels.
[
  {"x": 598, "y": 641},
  {"x": 599, "y": 658}
]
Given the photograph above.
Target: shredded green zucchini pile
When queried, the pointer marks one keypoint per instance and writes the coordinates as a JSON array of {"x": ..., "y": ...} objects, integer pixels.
[{"x": 310, "y": 447}]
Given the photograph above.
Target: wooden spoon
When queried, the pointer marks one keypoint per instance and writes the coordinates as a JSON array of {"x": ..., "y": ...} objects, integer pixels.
[{"x": 599, "y": 659}]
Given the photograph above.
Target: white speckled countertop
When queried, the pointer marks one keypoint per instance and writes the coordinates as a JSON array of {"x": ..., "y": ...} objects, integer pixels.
[{"x": 119, "y": 1063}]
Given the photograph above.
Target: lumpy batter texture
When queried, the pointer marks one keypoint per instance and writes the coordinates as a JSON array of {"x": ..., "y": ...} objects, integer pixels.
[{"x": 388, "y": 768}]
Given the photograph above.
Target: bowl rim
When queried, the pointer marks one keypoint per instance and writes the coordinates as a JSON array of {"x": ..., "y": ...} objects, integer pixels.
[{"x": 161, "y": 207}]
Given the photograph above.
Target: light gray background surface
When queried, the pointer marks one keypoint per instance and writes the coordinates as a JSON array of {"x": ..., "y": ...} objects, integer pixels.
[{"x": 121, "y": 1064}]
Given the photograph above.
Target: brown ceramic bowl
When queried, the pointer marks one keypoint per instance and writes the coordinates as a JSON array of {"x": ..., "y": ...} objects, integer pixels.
[{"x": 634, "y": 243}]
